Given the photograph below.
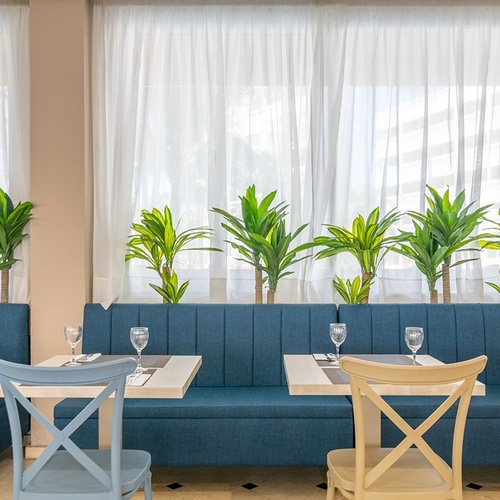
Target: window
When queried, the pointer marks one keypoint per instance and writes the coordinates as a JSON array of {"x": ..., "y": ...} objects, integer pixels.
[{"x": 339, "y": 108}]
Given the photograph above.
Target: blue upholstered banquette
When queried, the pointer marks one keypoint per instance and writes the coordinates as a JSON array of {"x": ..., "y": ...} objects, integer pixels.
[
  {"x": 14, "y": 346},
  {"x": 238, "y": 410}
]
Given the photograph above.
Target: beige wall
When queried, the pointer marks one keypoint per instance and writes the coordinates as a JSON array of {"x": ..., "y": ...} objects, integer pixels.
[{"x": 60, "y": 172}]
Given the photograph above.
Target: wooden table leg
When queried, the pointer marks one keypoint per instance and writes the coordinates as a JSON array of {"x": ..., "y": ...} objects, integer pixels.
[
  {"x": 105, "y": 421},
  {"x": 373, "y": 423}
]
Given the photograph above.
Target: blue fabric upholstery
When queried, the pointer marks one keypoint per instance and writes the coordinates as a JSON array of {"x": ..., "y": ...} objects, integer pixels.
[
  {"x": 233, "y": 426},
  {"x": 14, "y": 346},
  {"x": 454, "y": 332},
  {"x": 238, "y": 410}
]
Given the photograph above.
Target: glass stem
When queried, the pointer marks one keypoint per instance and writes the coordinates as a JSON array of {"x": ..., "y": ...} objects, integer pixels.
[
  {"x": 414, "y": 357},
  {"x": 338, "y": 352},
  {"x": 73, "y": 360},
  {"x": 139, "y": 360}
]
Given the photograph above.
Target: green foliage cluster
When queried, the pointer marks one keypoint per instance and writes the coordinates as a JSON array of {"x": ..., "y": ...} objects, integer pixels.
[
  {"x": 260, "y": 237},
  {"x": 352, "y": 292},
  {"x": 445, "y": 228},
  {"x": 493, "y": 243},
  {"x": 158, "y": 241},
  {"x": 367, "y": 242},
  {"x": 13, "y": 220}
]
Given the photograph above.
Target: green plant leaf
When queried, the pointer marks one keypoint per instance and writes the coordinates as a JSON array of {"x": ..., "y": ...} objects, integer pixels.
[{"x": 158, "y": 241}]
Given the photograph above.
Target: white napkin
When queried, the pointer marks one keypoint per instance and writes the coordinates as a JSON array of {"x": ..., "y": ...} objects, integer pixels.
[
  {"x": 320, "y": 357},
  {"x": 87, "y": 358},
  {"x": 139, "y": 380}
]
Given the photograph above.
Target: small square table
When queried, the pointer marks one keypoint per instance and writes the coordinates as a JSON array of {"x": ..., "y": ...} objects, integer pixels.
[
  {"x": 306, "y": 376},
  {"x": 170, "y": 378}
]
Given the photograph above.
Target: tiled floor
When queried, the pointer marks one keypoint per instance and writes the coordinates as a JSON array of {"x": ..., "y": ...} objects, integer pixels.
[{"x": 260, "y": 483}]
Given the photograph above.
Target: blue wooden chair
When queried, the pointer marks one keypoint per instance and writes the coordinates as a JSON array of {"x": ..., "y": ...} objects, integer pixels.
[{"x": 63, "y": 470}]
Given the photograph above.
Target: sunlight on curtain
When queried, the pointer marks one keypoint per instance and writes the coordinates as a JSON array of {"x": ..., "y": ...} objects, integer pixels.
[
  {"x": 339, "y": 108},
  {"x": 14, "y": 125}
]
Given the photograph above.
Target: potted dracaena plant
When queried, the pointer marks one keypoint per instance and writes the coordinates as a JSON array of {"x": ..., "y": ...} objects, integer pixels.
[
  {"x": 492, "y": 242},
  {"x": 13, "y": 220},
  {"x": 450, "y": 225},
  {"x": 421, "y": 247},
  {"x": 276, "y": 255},
  {"x": 158, "y": 241},
  {"x": 366, "y": 241},
  {"x": 257, "y": 220}
]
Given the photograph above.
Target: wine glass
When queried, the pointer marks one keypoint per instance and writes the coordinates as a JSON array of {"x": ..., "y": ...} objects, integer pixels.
[
  {"x": 414, "y": 337},
  {"x": 139, "y": 336},
  {"x": 73, "y": 335},
  {"x": 338, "y": 333}
]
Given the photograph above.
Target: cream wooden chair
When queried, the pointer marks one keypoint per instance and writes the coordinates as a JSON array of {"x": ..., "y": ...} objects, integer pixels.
[{"x": 403, "y": 472}]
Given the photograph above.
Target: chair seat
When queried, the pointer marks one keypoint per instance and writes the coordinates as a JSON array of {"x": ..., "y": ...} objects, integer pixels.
[
  {"x": 411, "y": 474},
  {"x": 64, "y": 475}
]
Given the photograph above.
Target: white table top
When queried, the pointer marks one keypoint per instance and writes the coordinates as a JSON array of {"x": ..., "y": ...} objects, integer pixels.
[
  {"x": 306, "y": 377},
  {"x": 170, "y": 381}
]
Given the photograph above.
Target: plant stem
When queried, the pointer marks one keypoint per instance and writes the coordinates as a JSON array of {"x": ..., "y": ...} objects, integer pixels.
[
  {"x": 434, "y": 296},
  {"x": 5, "y": 285},
  {"x": 446, "y": 283},
  {"x": 270, "y": 296},
  {"x": 366, "y": 277},
  {"x": 258, "y": 286}
]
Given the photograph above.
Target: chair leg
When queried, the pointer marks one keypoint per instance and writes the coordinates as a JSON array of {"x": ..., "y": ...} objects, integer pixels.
[
  {"x": 330, "y": 492},
  {"x": 148, "y": 492}
]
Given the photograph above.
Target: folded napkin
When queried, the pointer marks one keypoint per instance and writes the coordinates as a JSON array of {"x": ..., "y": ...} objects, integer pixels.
[
  {"x": 87, "y": 358},
  {"x": 320, "y": 357},
  {"x": 138, "y": 380}
]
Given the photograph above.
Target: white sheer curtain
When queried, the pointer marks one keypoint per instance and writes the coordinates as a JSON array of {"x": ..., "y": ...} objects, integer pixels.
[
  {"x": 339, "y": 108},
  {"x": 14, "y": 125}
]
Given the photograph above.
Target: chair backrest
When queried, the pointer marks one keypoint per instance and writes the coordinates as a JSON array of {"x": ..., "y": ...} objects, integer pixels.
[
  {"x": 362, "y": 373},
  {"x": 110, "y": 375}
]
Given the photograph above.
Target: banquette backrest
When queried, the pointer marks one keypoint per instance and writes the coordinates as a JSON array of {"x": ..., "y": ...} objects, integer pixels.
[
  {"x": 241, "y": 344},
  {"x": 15, "y": 333},
  {"x": 453, "y": 332}
]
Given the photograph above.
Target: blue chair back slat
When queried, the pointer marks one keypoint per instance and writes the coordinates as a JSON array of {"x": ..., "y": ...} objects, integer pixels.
[
  {"x": 210, "y": 334},
  {"x": 238, "y": 346}
]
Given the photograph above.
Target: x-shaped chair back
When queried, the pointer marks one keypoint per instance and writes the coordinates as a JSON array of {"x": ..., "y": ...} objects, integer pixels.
[
  {"x": 363, "y": 374},
  {"x": 111, "y": 375}
]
